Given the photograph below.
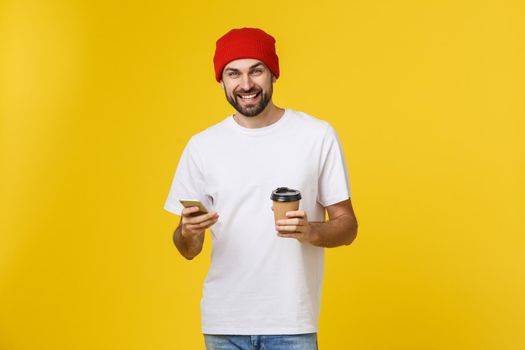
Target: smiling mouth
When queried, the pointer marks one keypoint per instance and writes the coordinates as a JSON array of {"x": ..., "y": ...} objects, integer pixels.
[{"x": 250, "y": 97}]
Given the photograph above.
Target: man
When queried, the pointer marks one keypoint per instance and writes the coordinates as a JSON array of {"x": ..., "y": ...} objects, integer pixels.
[{"x": 263, "y": 289}]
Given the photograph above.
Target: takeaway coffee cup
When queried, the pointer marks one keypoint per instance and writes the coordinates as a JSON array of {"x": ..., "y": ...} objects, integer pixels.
[{"x": 284, "y": 199}]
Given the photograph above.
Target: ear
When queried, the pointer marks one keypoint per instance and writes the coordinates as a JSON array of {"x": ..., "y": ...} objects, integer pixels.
[
  {"x": 274, "y": 79},
  {"x": 222, "y": 84}
]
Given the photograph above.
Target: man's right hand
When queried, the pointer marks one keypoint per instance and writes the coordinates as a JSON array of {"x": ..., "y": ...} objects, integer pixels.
[{"x": 196, "y": 225}]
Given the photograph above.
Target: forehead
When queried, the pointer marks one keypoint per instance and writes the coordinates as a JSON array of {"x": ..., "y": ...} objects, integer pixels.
[{"x": 242, "y": 63}]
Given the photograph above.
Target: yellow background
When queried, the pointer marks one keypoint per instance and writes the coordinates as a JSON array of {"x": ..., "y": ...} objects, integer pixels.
[{"x": 98, "y": 99}]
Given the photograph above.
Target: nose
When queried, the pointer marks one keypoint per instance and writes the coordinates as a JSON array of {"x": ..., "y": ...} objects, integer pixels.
[{"x": 246, "y": 82}]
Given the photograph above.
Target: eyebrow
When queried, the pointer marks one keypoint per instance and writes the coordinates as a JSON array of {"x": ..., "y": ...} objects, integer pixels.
[{"x": 251, "y": 67}]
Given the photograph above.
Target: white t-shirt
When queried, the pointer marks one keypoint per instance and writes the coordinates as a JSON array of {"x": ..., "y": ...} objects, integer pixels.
[{"x": 259, "y": 283}]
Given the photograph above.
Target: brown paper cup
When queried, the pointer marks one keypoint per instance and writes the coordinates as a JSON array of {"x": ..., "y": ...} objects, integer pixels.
[
  {"x": 280, "y": 209},
  {"x": 284, "y": 199}
]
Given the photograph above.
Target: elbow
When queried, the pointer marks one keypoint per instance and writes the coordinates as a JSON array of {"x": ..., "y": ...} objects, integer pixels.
[
  {"x": 352, "y": 235},
  {"x": 188, "y": 255}
]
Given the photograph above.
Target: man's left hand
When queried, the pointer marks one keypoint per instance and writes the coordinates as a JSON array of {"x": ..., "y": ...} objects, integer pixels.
[{"x": 295, "y": 225}]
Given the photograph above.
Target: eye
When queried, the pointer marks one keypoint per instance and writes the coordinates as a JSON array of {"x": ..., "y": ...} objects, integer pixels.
[
  {"x": 257, "y": 71},
  {"x": 233, "y": 74}
]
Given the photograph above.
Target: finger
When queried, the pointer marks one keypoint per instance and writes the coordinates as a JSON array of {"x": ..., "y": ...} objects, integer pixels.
[
  {"x": 189, "y": 210},
  {"x": 295, "y": 221},
  {"x": 292, "y": 228},
  {"x": 203, "y": 225},
  {"x": 295, "y": 213},
  {"x": 201, "y": 218},
  {"x": 290, "y": 235}
]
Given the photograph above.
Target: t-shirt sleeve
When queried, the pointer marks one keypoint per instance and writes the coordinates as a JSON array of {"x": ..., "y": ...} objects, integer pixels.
[
  {"x": 188, "y": 182},
  {"x": 334, "y": 182}
]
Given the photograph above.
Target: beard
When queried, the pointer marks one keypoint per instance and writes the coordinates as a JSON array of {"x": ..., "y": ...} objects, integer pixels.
[{"x": 254, "y": 109}]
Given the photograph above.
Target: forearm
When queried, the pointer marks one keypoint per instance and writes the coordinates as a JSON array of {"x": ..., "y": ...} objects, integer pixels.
[
  {"x": 334, "y": 233},
  {"x": 189, "y": 247}
]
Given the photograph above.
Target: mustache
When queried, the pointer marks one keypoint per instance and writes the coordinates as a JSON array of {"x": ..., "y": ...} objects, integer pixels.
[{"x": 250, "y": 91}]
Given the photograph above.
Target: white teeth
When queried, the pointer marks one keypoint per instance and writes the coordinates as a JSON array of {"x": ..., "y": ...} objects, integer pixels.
[{"x": 249, "y": 96}]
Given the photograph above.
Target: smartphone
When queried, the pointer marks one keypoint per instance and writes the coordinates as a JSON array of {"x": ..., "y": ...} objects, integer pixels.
[{"x": 194, "y": 203}]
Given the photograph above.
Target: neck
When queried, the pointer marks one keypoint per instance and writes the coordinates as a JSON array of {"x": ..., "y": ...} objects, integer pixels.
[{"x": 268, "y": 116}]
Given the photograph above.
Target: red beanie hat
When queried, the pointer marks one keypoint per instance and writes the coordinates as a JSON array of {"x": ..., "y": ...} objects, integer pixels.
[{"x": 245, "y": 43}]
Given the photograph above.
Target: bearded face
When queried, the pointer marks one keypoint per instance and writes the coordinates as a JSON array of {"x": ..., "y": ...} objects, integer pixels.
[{"x": 248, "y": 86}]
